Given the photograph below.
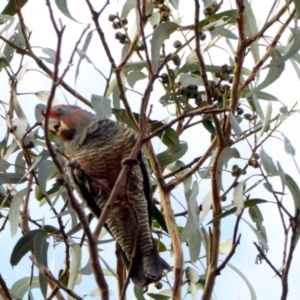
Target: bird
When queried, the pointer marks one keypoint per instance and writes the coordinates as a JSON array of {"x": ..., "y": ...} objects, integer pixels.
[{"x": 100, "y": 146}]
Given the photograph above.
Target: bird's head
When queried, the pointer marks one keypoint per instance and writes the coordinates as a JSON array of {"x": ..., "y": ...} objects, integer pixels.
[{"x": 65, "y": 120}]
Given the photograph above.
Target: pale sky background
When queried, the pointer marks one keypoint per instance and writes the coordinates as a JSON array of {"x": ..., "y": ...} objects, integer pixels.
[{"x": 229, "y": 285}]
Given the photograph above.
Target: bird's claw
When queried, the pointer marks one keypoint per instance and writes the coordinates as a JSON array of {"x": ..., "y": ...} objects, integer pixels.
[
  {"x": 129, "y": 161},
  {"x": 73, "y": 164}
]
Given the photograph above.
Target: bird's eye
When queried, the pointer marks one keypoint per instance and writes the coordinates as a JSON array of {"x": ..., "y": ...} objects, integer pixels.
[{"x": 59, "y": 110}]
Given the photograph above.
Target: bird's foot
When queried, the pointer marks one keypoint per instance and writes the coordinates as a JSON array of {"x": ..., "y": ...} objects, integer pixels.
[
  {"x": 129, "y": 161},
  {"x": 73, "y": 164},
  {"x": 60, "y": 180}
]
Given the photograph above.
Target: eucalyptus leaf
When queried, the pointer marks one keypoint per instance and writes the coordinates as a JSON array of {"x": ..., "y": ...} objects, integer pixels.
[
  {"x": 160, "y": 34},
  {"x": 225, "y": 156},
  {"x": 102, "y": 106},
  {"x": 14, "y": 211},
  {"x": 172, "y": 154},
  {"x": 62, "y": 5},
  {"x": 21, "y": 286},
  {"x": 74, "y": 265}
]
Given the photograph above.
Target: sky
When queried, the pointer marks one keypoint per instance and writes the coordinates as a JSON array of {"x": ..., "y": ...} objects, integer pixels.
[{"x": 90, "y": 82}]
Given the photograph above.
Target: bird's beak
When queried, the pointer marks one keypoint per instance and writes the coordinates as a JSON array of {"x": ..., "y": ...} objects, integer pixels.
[{"x": 53, "y": 124}]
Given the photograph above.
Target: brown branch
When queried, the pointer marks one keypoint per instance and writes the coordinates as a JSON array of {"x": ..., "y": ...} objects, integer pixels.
[
  {"x": 121, "y": 271},
  {"x": 147, "y": 92},
  {"x": 267, "y": 260},
  {"x": 48, "y": 274},
  {"x": 271, "y": 47},
  {"x": 175, "y": 182},
  {"x": 235, "y": 242},
  {"x": 203, "y": 75},
  {"x": 187, "y": 114},
  {"x": 143, "y": 21},
  {"x": 41, "y": 64},
  {"x": 95, "y": 17},
  {"x": 4, "y": 292},
  {"x": 93, "y": 250},
  {"x": 216, "y": 231},
  {"x": 295, "y": 225},
  {"x": 239, "y": 60},
  {"x": 272, "y": 21},
  {"x": 170, "y": 222}
]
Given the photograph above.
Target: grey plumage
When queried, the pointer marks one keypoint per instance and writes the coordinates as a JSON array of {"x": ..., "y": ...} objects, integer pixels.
[{"x": 100, "y": 145}]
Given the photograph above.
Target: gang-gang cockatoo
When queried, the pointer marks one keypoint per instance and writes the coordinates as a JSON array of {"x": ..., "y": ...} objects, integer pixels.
[{"x": 100, "y": 145}]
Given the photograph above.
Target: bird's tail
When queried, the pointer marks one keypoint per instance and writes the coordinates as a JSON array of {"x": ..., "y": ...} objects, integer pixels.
[{"x": 148, "y": 268}]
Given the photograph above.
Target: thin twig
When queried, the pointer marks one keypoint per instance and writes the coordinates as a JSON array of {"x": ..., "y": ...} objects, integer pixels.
[
  {"x": 4, "y": 292},
  {"x": 267, "y": 260},
  {"x": 203, "y": 75}
]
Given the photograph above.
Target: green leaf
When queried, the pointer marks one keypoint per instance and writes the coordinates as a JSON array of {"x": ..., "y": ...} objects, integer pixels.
[
  {"x": 268, "y": 116},
  {"x": 169, "y": 137},
  {"x": 10, "y": 8},
  {"x": 235, "y": 125},
  {"x": 227, "y": 213},
  {"x": 294, "y": 190},
  {"x": 158, "y": 216},
  {"x": 4, "y": 165},
  {"x": 229, "y": 15},
  {"x": 288, "y": 147},
  {"x": 50, "y": 229},
  {"x": 174, "y": 3},
  {"x": 8, "y": 21},
  {"x": 191, "y": 274},
  {"x": 187, "y": 79},
  {"x": 74, "y": 230},
  {"x": 261, "y": 237},
  {"x": 160, "y": 34},
  {"x": 24, "y": 245},
  {"x": 14, "y": 211},
  {"x": 291, "y": 49},
  {"x": 268, "y": 163},
  {"x": 297, "y": 5},
  {"x": 127, "y": 7},
  {"x": 238, "y": 197},
  {"x": 275, "y": 71},
  {"x": 192, "y": 223},
  {"x": 172, "y": 154},
  {"x": 208, "y": 125},
  {"x": 136, "y": 65},
  {"x": 251, "y": 289},
  {"x": 138, "y": 293},
  {"x": 82, "y": 52},
  {"x": 158, "y": 296},
  {"x": 21, "y": 286},
  {"x": 134, "y": 76},
  {"x": 222, "y": 31},
  {"x": 51, "y": 55},
  {"x": 231, "y": 211},
  {"x": 47, "y": 170},
  {"x": 251, "y": 29},
  {"x": 102, "y": 106},
  {"x": 17, "y": 39},
  {"x": 41, "y": 245},
  {"x": 20, "y": 164},
  {"x": 62, "y": 5},
  {"x": 159, "y": 245},
  {"x": 12, "y": 178},
  {"x": 194, "y": 246},
  {"x": 265, "y": 96},
  {"x": 74, "y": 265},
  {"x": 226, "y": 154}
]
